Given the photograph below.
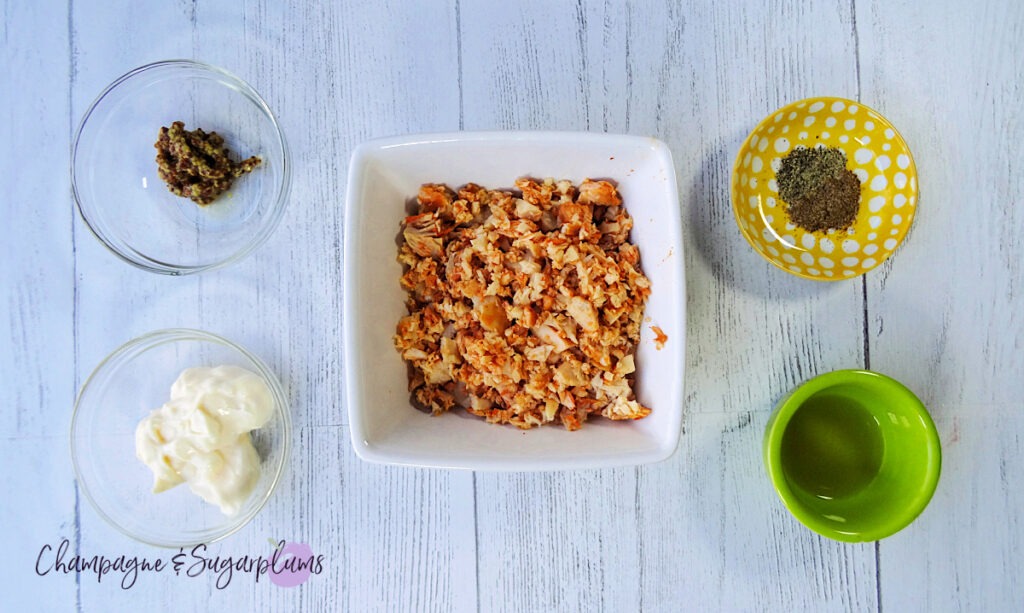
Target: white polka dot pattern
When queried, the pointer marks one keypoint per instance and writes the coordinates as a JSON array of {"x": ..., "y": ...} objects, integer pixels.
[{"x": 875, "y": 153}]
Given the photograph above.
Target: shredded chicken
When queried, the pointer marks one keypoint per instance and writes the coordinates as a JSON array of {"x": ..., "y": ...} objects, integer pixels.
[{"x": 523, "y": 308}]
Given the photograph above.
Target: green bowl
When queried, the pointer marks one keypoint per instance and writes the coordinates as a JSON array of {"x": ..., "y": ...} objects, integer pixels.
[{"x": 853, "y": 454}]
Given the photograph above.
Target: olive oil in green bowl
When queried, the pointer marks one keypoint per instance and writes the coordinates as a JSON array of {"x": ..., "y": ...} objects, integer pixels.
[{"x": 853, "y": 455}]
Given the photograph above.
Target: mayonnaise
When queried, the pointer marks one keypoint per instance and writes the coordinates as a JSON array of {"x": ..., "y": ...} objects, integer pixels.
[{"x": 201, "y": 435}]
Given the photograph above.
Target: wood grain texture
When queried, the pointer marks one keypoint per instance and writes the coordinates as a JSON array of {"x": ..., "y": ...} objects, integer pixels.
[
  {"x": 755, "y": 331},
  {"x": 963, "y": 552},
  {"x": 385, "y": 533},
  {"x": 945, "y": 314},
  {"x": 34, "y": 515},
  {"x": 37, "y": 277},
  {"x": 562, "y": 541},
  {"x": 393, "y": 539},
  {"x": 37, "y": 373},
  {"x": 709, "y": 73},
  {"x": 701, "y": 531},
  {"x": 713, "y": 537}
]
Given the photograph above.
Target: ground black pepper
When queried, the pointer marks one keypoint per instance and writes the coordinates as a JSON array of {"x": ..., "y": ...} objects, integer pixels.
[
  {"x": 819, "y": 191},
  {"x": 195, "y": 164}
]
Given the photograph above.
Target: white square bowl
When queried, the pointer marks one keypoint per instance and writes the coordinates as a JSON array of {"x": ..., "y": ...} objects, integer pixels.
[{"x": 384, "y": 175}]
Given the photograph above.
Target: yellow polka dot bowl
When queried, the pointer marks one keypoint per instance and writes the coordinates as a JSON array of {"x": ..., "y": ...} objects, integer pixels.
[{"x": 875, "y": 152}]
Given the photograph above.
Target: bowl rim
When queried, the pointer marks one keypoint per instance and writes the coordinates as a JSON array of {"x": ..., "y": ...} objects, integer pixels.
[
  {"x": 128, "y": 253},
  {"x": 791, "y": 402},
  {"x": 737, "y": 162},
  {"x": 170, "y": 335},
  {"x": 367, "y": 450}
]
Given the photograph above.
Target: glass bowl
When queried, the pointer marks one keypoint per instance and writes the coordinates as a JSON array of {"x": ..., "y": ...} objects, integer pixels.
[
  {"x": 875, "y": 153},
  {"x": 124, "y": 388},
  {"x": 128, "y": 206}
]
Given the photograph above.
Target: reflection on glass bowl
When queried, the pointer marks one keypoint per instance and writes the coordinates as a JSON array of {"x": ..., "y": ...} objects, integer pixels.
[
  {"x": 128, "y": 206},
  {"x": 135, "y": 379}
]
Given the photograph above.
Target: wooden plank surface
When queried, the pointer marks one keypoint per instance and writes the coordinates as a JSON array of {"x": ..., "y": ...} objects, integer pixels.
[
  {"x": 754, "y": 330},
  {"x": 393, "y": 539},
  {"x": 38, "y": 275},
  {"x": 283, "y": 304},
  {"x": 713, "y": 537},
  {"x": 37, "y": 359},
  {"x": 945, "y": 314},
  {"x": 701, "y": 531},
  {"x": 567, "y": 540},
  {"x": 38, "y": 518}
]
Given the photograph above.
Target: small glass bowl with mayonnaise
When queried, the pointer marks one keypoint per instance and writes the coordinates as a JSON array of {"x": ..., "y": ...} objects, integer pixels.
[{"x": 180, "y": 437}]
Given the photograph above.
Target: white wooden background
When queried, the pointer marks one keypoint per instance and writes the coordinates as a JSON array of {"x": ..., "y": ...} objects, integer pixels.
[{"x": 701, "y": 531}]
